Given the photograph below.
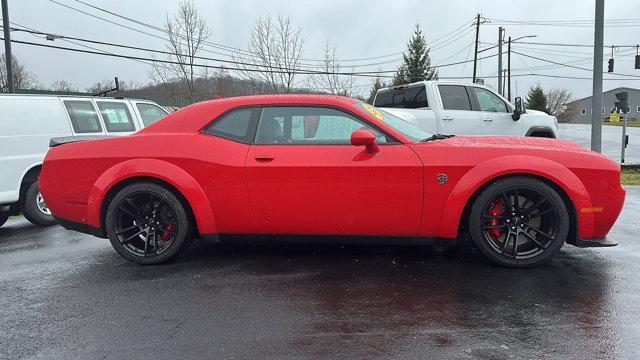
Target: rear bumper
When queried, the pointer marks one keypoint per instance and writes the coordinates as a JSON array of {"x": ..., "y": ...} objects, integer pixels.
[
  {"x": 80, "y": 227},
  {"x": 595, "y": 242}
]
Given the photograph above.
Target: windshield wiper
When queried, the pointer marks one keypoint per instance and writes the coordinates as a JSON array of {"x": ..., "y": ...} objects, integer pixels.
[{"x": 437, "y": 137}]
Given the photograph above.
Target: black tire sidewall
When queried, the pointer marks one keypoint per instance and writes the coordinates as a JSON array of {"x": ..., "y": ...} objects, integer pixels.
[
  {"x": 30, "y": 208},
  {"x": 3, "y": 219},
  {"x": 183, "y": 238},
  {"x": 489, "y": 193}
]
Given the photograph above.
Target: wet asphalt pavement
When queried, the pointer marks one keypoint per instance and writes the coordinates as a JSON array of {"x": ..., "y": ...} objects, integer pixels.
[{"x": 65, "y": 295}]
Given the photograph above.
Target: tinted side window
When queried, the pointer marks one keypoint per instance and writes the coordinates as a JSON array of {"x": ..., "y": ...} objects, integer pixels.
[
  {"x": 150, "y": 113},
  {"x": 454, "y": 97},
  {"x": 235, "y": 125},
  {"x": 488, "y": 101},
  {"x": 308, "y": 125},
  {"x": 83, "y": 115},
  {"x": 409, "y": 97},
  {"x": 116, "y": 116}
]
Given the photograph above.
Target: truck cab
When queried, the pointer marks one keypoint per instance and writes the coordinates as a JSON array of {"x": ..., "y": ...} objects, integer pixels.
[{"x": 442, "y": 107}]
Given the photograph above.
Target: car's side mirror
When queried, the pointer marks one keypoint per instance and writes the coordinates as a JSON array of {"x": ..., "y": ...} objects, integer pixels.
[
  {"x": 518, "y": 110},
  {"x": 366, "y": 138}
]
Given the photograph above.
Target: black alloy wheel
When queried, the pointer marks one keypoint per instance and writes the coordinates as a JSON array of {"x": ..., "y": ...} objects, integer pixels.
[
  {"x": 148, "y": 224},
  {"x": 519, "y": 222}
]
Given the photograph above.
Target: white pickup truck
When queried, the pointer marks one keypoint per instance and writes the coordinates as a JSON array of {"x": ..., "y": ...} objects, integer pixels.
[{"x": 463, "y": 109}]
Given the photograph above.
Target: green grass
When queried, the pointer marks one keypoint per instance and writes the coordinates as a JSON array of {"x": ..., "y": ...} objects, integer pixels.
[
  {"x": 630, "y": 176},
  {"x": 635, "y": 123}
]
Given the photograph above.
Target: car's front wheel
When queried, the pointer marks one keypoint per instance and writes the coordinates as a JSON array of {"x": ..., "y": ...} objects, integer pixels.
[
  {"x": 148, "y": 224},
  {"x": 519, "y": 222},
  {"x": 3, "y": 218}
]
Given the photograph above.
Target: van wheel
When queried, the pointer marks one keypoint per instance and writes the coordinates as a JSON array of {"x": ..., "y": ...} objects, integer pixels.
[
  {"x": 3, "y": 219},
  {"x": 34, "y": 208}
]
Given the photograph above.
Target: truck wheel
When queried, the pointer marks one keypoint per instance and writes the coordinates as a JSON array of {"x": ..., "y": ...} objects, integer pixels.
[
  {"x": 519, "y": 222},
  {"x": 34, "y": 208},
  {"x": 3, "y": 219}
]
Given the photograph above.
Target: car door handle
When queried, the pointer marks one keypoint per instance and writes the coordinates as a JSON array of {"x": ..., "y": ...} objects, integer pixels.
[
  {"x": 264, "y": 158},
  {"x": 447, "y": 118},
  {"x": 488, "y": 119}
]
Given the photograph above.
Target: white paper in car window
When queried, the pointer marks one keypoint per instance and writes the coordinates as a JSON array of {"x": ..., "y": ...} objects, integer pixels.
[{"x": 117, "y": 116}]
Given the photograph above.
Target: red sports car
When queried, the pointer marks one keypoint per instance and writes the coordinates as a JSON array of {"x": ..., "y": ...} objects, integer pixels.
[{"x": 327, "y": 165}]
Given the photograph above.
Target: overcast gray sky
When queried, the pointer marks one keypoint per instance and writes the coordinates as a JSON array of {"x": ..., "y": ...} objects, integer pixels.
[{"x": 359, "y": 29}]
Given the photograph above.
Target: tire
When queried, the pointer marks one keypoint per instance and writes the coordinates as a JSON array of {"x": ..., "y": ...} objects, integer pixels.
[
  {"x": 32, "y": 211},
  {"x": 3, "y": 218},
  {"x": 538, "y": 221},
  {"x": 148, "y": 224}
]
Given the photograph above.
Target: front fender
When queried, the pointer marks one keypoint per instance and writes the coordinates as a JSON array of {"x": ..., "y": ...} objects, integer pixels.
[
  {"x": 159, "y": 169},
  {"x": 515, "y": 164}
]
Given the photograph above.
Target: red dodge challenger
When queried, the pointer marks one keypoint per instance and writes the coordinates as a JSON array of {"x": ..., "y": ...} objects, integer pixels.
[{"x": 327, "y": 165}]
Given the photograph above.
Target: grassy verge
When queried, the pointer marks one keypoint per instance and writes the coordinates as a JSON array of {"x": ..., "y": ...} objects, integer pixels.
[
  {"x": 629, "y": 123},
  {"x": 630, "y": 176}
]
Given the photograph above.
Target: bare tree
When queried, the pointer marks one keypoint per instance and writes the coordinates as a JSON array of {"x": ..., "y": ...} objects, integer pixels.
[
  {"x": 187, "y": 33},
  {"x": 557, "y": 100},
  {"x": 63, "y": 86},
  {"x": 106, "y": 84},
  {"x": 273, "y": 54},
  {"x": 328, "y": 80},
  {"x": 22, "y": 78}
]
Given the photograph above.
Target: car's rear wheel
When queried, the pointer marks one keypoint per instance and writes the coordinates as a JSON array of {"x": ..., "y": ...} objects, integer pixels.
[
  {"x": 35, "y": 209},
  {"x": 148, "y": 224},
  {"x": 519, "y": 222}
]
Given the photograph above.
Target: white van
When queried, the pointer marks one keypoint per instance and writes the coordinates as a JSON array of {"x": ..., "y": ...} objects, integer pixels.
[{"x": 27, "y": 124}]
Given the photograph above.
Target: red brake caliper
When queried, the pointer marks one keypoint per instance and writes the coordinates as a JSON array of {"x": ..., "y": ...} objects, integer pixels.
[
  {"x": 495, "y": 210},
  {"x": 167, "y": 234}
]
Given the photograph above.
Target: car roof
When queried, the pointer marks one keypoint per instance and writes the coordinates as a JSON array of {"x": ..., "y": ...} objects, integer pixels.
[{"x": 73, "y": 96}]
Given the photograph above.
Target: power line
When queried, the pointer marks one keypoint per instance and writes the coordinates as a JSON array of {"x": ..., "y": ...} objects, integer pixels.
[
  {"x": 291, "y": 71},
  {"x": 571, "y": 66}
]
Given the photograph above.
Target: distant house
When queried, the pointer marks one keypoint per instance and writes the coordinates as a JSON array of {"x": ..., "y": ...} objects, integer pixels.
[{"x": 579, "y": 111}]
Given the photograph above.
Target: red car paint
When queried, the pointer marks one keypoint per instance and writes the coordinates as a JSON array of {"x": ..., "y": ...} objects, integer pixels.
[{"x": 359, "y": 189}]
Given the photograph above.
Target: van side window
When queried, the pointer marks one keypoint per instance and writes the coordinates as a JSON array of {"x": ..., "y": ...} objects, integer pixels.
[
  {"x": 83, "y": 115},
  {"x": 150, "y": 113},
  {"x": 454, "y": 97},
  {"x": 116, "y": 116}
]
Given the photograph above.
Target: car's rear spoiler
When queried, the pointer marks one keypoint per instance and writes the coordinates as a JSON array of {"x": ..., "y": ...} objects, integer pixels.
[{"x": 71, "y": 139}]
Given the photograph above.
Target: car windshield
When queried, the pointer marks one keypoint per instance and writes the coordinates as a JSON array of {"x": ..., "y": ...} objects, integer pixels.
[{"x": 406, "y": 128}]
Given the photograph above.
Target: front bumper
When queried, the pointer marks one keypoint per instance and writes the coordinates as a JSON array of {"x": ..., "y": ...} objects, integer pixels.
[{"x": 595, "y": 242}]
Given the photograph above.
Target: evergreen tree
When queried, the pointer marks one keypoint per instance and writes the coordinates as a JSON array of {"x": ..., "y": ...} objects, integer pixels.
[
  {"x": 537, "y": 100},
  {"x": 377, "y": 85},
  {"x": 416, "y": 64}
]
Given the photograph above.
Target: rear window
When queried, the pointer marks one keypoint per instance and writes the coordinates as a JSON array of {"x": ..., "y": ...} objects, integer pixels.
[
  {"x": 117, "y": 117},
  {"x": 235, "y": 125},
  {"x": 454, "y": 97},
  {"x": 83, "y": 115},
  {"x": 150, "y": 113},
  {"x": 413, "y": 97}
]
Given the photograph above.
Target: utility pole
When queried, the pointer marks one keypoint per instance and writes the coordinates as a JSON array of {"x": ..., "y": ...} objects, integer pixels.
[
  {"x": 596, "y": 99},
  {"x": 500, "y": 31},
  {"x": 7, "y": 45},
  {"x": 509, "y": 69},
  {"x": 475, "y": 54}
]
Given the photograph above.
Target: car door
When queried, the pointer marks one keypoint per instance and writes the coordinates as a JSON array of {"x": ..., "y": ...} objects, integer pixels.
[
  {"x": 458, "y": 117},
  {"x": 304, "y": 177},
  {"x": 495, "y": 113}
]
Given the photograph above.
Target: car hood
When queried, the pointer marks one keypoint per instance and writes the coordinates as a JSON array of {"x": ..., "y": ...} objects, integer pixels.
[{"x": 517, "y": 143}]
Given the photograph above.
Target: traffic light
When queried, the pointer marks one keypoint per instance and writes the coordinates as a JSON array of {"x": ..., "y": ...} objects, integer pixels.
[
  {"x": 638, "y": 62},
  {"x": 610, "y": 65},
  {"x": 622, "y": 103}
]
